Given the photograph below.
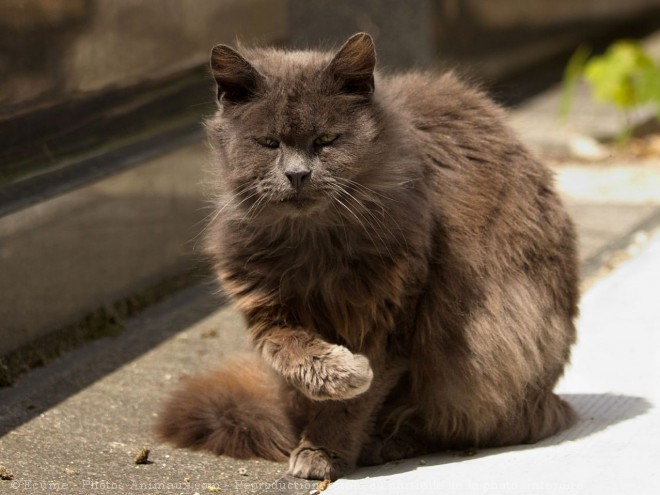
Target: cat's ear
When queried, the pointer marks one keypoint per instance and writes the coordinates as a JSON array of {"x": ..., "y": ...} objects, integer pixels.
[
  {"x": 237, "y": 78},
  {"x": 352, "y": 68}
]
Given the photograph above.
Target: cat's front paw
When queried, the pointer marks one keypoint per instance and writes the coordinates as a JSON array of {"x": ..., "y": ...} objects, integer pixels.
[
  {"x": 337, "y": 374},
  {"x": 316, "y": 464}
]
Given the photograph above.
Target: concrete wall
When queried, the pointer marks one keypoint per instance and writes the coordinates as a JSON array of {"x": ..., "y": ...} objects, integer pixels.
[
  {"x": 52, "y": 50},
  {"x": 64, "y": 257}
]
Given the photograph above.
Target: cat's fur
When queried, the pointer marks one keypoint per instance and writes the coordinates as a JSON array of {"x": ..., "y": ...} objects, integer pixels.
[{"x": 408, "y": 287}]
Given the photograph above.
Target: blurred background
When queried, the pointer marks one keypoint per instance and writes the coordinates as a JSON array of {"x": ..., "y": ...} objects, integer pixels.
[{"x": 102, "y": 156}]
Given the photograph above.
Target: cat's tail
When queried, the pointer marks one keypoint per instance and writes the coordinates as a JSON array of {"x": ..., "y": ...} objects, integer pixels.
[{"x": 240, "y": 410}]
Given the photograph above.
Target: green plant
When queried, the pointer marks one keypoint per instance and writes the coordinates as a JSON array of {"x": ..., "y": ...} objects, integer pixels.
[{"x": 625, "y": 76}]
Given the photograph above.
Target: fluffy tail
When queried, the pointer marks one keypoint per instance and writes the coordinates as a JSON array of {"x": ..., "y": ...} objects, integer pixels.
[{"x": 240, "y": 411}]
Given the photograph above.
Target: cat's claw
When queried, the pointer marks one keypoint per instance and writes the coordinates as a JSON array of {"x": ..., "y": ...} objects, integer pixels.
[
  {"x": 336, "y": 375},
  {"x": 316, "y": 464}
]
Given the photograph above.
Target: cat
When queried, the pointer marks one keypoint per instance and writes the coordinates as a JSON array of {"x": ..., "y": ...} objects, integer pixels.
[{"x": 406, "y": 271}]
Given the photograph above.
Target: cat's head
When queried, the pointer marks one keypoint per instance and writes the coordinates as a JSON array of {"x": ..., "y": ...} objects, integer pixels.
[{"x": 296, "y": 131}]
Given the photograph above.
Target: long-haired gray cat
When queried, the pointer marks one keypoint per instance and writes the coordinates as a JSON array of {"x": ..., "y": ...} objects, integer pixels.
[{"x": 405, "y": 268}]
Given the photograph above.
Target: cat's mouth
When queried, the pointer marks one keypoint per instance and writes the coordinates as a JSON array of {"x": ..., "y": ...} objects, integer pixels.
[{"x": 298, "y": 203}]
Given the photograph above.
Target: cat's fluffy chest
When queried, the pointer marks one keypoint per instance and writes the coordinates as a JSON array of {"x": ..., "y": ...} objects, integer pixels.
[
  {"x": 322, "y": 281},
  {"x": 325, "y": 265}
]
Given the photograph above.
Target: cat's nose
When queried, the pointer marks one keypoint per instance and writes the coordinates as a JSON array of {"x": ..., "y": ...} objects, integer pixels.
[{"x": 297, "y": 177}]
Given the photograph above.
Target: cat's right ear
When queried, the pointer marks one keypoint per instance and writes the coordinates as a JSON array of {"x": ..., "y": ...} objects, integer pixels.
[{"x": 237, "y": 79}]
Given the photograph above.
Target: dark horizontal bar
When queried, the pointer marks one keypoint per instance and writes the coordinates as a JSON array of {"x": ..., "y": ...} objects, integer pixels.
[{"x": 14, "y": 197}]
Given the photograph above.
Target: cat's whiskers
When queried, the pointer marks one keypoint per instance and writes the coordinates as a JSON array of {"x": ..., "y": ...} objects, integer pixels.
[
  {"x": 362, "y": 220},
  {"x": 370, "y": 216},
  {"x": 212, "y": 207},
  {"x": 248, "y": 197},
  {"x": 370, "y": 191},
  {"x": 335, "y": 198},
  {"x": 400, "y": 239},
  {"x": 256, "y": 208},
  {"x": 341, "y": 225},
  {"x": 235, "y": 194},
  {"x": 215, "y": 215},
  {"x": 206, "y": 223}
]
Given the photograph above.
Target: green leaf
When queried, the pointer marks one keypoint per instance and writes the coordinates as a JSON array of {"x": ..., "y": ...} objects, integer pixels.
[
  {"x": 648, "y": 85},
  {"x": 572, "y": 74},
  {"x": 624, "y": 75}
]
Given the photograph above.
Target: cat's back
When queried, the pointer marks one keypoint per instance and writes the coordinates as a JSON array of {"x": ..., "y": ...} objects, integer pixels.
[
  {"x": 488, "y": 190},
  {"x": 462, "y": 139},
  {"x": 458, "y": 115}
]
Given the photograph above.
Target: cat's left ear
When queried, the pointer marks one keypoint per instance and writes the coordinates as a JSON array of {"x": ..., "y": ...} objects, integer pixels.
[{"x": 352, "y": 69}]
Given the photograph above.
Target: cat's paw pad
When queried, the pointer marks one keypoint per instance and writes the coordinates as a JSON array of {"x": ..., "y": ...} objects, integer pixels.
[
  {"x": 315, "y": 464},
  {"x": 338, "y": 375}
]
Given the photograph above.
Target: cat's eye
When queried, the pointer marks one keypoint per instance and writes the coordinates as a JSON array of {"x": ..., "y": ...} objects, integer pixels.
[
  {"x": 267, "y": 142},
  {"x": 325, "y": 139}
]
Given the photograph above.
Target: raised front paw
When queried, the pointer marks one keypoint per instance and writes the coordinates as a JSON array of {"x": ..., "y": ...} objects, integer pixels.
[
  {"x": 337, "y": 374},
  {"x": 316, "y": 464}
]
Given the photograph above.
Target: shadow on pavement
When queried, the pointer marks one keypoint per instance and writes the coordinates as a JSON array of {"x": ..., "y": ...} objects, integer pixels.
[{"x": 44, "y": 388}]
